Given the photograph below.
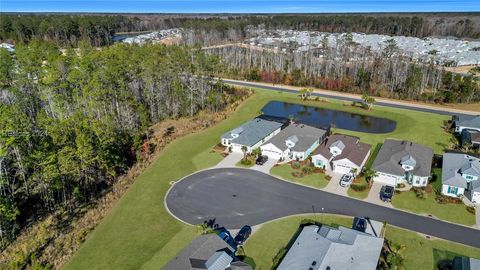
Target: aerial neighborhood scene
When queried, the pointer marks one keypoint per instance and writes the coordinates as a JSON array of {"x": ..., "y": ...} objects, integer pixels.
[{"x": 240, "y": 135}]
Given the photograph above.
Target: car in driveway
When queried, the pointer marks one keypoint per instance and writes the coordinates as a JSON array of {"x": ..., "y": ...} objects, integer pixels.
[
  {"x": 243, "y": 234},
  {"x": 346, "y": 180},
  {"x": 359, "y": 224},
  {"x": 386, "y": 193},
  {"x": 261, "y": 160}
]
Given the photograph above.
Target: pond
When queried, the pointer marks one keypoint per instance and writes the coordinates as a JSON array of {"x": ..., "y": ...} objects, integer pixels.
[{"x": 322, "y": 118}]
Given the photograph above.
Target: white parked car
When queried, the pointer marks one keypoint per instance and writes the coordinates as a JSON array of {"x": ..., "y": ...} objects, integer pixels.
[{"x": 346, "y": 180}]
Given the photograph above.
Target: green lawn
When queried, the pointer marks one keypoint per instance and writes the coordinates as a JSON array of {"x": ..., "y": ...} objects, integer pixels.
[
  {"x": 264, "y": 244},
  {"x": 456, "y": 213},
  {"x": 284, "y": 171},
  {"x": 138, "y": 233},
  {"x": 422, "y": 253}
]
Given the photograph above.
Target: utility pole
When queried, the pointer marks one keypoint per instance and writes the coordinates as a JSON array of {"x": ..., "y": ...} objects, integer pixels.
[
  {"x": 314, "y": 216},
  {"x": 322, "y": 214}
]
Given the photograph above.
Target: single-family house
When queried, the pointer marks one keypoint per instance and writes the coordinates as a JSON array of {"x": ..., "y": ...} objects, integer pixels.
[
  {"x": 209, "y": 252},
  {"x": 471, "y": 138},
  {"x": 461, "y": 122},
  {"x": 342, "y": 154},
  {"x": 252, "y": 134},
  {"x": 461, "y": 176},
  {"x": 296, "y": 141},
  {"x": 320, "y": 248},
  {"x": 403, "y": 162}
]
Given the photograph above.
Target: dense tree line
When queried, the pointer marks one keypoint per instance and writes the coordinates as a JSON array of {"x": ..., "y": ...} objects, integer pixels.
[
  {"x": 351, "y": 68},
  {"x": 70, "y": 123},
  {"x": 64, "y": 30},
  {"x": 98, "y": 30}
]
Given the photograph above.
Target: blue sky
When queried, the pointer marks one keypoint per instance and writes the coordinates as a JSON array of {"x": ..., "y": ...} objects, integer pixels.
[{"x": 230, "y": 6}]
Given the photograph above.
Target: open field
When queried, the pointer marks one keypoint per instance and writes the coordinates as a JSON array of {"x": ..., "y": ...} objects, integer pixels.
[
  {"x": 420, "y": 253},
  {"x": 139, "y": 233}
]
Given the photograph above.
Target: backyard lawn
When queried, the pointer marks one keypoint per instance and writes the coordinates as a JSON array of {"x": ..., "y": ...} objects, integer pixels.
[
  {"x": 420, "y": 253},
  {"x": 284, "y": 171},
  {"x": 139, "y": 232}
]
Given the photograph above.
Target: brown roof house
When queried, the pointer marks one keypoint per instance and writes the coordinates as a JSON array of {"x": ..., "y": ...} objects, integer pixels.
[{"x": 341, "y": 154}]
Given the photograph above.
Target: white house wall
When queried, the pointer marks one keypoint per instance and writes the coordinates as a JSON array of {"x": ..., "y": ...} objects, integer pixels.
[
  {"x": 446, "y": 193},
  {"x": 387, "y": 179},
  {"x": 272, "y": 151},
  {"x": 459, "y": 129},
  {"x": 344, "y": 166},
  {"x": 323, "y": 160}
]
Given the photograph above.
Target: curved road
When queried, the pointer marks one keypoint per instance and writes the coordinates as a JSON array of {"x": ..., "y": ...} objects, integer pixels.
[
  {"x": 340, "y": 96},
  {"x": 234, "y": 197}
]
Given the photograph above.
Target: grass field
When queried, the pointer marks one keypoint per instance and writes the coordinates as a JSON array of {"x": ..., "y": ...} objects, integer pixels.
[
  {"x": 420, "y": 253},
  {"x": 139, "y": 233},
  {"x": 456, "y": 213},
  {"x": 284, "y": 171}
]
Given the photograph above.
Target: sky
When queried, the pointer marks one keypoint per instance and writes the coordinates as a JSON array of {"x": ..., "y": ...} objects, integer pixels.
[{"x": 235, "y": 6}]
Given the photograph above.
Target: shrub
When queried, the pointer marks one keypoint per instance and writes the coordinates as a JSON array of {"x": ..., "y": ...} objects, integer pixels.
[
  {"x": 358, "y": 188},
  {"x": 307, "y": 169},
  {"x": 280, "y": 254},
  {"x": 246, "y": 162},
  {"x": 295, "y": 165},
  {"x": 420, "y": 194},
  {"x": 401, "y": 185},
  {"x": 471, "y": 210},
  {"x": 429, "y": 189},
  {"x": 328, "y": 177}
]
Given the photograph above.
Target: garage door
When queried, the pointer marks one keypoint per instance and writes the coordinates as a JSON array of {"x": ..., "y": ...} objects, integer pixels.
[
  {"x": 271, "y": 154},
  {"x": 237, "y": 148},
  {"x": 341, "y": 169},
  {"x": 386, "y": 179}
]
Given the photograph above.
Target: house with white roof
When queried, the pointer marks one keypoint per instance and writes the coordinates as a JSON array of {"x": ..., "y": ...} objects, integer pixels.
[
  {"x": 296, "y": 141},
  {"x": 461, "y": 176},
  {"x": 341, "y": 154},
  {"x": 403, "y": 162},
  {"x": 320, "y": 248},
  {"x": 252, "y": 134}
]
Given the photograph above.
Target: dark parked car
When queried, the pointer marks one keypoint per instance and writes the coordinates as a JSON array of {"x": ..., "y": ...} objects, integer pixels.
[
  {"x": 386, "y": 193},
  {"x": 359, "y": 224},
  {"x": 243, "y": 234},
  {"x": 261, "y": 160}
]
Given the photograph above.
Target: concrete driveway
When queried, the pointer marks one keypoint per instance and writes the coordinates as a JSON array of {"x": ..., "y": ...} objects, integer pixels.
[
  {"x": 333, "y": 185},
  {"x": 230, "y": 160},
  {"x": 233, "y": 197},
  {"x": 265, "y": 168},
  {"x": 374, "y": 195}
]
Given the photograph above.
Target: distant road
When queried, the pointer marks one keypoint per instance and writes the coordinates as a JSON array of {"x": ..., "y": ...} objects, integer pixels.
[
  {"x": 233, "y": 197},
  {"x": 354, "y": 97}
]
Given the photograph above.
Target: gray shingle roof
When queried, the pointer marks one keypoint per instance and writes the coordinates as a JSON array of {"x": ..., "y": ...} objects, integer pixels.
[
  {"x": 468, "y": 121},
  {"x": 453, "y": 164},
  {"x": 252, "y": 131},
  {"x": 341, "y": 248},
  {"x": 354, "y": 150},
  {"x": 304, "y": 136},
  {"x": 393, "y": 151},
  {"x": 220, "y": 260},
  {"x": 197, "y": 253}
]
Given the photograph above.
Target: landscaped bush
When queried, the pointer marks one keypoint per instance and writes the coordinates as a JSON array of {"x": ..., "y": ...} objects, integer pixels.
[
  {"x": 307, "y": 169},
  {"x": 442, "y": 199},
  {"x": 358, "y": 187},
  {"x": 401, "y": 185},
  {"x": 278, "y": 258},
  {"x": 297, "y": 174},
  {"x": 429, "y": 189},
  {"x": 328, "y": 177},
  {"x": 296, "y": 165},
  {"x": 246, "y": 162},
  {"x": 471, "y": 210},
  {"x": 420, "y": 194}
]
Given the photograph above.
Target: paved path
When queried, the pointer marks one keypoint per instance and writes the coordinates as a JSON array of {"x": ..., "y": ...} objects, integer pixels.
[
  {"x": 374, "y": 195},
  {"x": 234, "y": 197},
  {"x": 354, "y": 97},
  {"x": 477, "y": 215},
  {"x": 230, "y": 161}
]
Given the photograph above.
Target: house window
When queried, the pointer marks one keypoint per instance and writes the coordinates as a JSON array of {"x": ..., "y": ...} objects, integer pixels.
[
  {"x": 417, "y": 182},
  {"x": 452, "y": 190}
]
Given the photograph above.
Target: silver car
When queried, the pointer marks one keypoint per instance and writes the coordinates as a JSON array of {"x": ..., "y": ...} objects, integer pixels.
[{"x": 346, "y": 180}]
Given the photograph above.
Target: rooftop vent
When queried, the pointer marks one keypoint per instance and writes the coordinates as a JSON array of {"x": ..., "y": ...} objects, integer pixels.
[{"x": 314, "y": 263}]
